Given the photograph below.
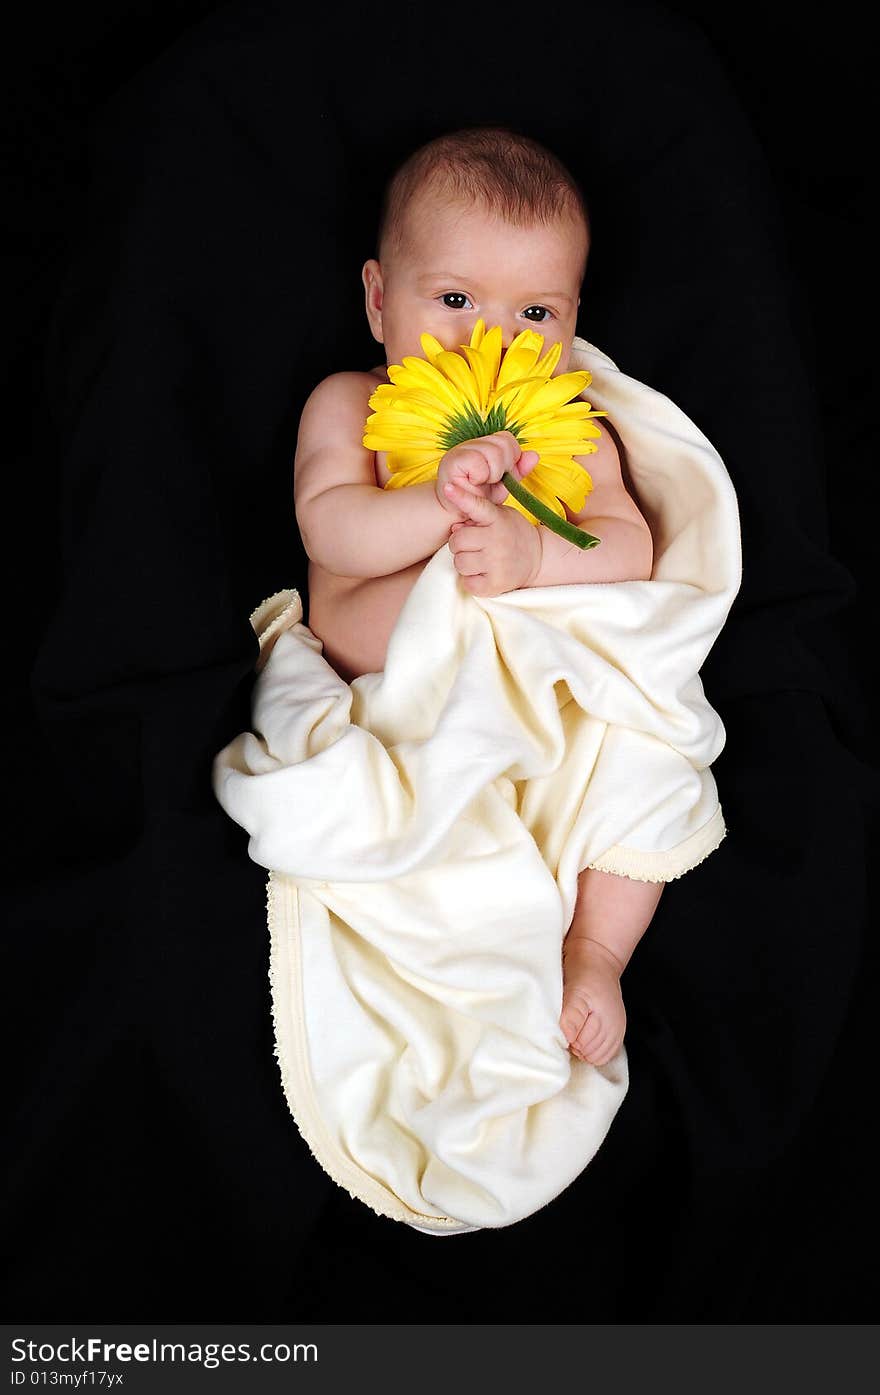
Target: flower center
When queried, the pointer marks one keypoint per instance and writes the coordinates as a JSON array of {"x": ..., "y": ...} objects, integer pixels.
[{"x": 468, "y": 424}]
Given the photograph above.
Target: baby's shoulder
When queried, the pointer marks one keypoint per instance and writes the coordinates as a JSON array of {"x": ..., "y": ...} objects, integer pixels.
[
  {"x": 337, "y": 406},
  {"x": 345, "y": 388}
]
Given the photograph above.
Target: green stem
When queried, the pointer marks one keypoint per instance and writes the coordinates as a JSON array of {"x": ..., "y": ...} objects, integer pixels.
[{"x": 567, "y": 530}]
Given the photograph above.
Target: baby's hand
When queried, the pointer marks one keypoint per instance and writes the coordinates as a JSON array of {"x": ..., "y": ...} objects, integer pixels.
[
  {"x": 494, "y": 549},
  {"x": 478, "y": 465},
  {"x": 593, "y": 1016}
]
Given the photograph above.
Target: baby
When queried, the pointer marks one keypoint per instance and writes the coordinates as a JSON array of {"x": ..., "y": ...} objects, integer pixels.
[{"x": 484, "y": 224}]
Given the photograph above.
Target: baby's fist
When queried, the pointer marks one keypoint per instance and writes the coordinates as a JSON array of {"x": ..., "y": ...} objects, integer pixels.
[{"x": 478, "y": 466}]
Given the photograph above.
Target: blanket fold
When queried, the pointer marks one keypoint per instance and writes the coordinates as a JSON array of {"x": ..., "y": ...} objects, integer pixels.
[{"x": 424, "y": 828}]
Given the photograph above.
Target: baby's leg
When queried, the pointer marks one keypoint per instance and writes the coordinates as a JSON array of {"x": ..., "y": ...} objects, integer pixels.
[
  {"x": 593, "y": 1016},
  {"x": 610, "y": 917}
]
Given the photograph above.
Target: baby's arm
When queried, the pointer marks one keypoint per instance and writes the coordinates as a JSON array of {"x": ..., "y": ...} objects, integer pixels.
[
  {"x": 496, "y": 549},
  {"x": 612, "y": 515},
  {"x": 350, "y": 526},
  {"x": 614, "y": 912}
]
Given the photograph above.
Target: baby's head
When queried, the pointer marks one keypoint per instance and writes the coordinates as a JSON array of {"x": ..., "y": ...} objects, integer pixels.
[{"x": 481, "y": 223}]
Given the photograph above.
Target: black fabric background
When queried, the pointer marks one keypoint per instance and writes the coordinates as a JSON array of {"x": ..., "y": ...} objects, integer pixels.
[{"x": 191, "y": 211}]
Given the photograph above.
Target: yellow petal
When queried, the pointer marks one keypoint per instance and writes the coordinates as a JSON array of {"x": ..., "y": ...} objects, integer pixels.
[
  {"x": 561, "y": 483},
  {"x": 418, "y": 473},
  {"x": 528, "y": 339},
  {"x": 416, "y": 403},
  {"x": 556, "y": 392},
  {"x": 414, "y": 372},
  {"x": 431, "y": 347},
  {"x": 484, "y": 361},
  {"x": 555, "y": 430},
  {"x": 482, "y": 379},
  {"x": 550, "y": 360},
  {"x": 517, "y": 403},
  {"x": 573, "y": 412},
  {"x": 459, "y": 373},
  {"x": 405, "y": 458},
  {"x": 399, "y": 426},
  {"x": 516, "y": 398},
  {"x": 520, "y": 358},
  {"x": 391, "y": 439},
  {"x": 401, "y": 433},
  {"x": 565, "y": 479},
  {"x": 384, "y": 396},
  {"x": 512, "y": 394}
]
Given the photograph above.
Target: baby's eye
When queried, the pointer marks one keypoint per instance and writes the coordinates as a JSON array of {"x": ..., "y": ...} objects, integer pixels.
[
  {"x": 542, "y": 308},
  {"x": 453, "y": 295}
]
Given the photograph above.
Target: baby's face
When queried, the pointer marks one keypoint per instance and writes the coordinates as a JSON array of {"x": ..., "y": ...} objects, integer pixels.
[{"x": 463, "y": 264}]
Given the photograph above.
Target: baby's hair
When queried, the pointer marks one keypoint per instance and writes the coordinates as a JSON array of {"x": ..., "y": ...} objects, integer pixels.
[{"x": 495, "y": 167}]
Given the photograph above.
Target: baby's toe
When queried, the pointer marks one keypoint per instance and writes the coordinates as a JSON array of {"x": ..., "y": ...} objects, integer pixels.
[
  {"x": 606, "y": 1049},
  {"x": 575, "y": 1014},
  {"x": 589, "y": 1037}
]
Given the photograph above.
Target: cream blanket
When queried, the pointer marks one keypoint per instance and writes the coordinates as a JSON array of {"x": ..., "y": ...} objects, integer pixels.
[{"x": 424, "y": 828}]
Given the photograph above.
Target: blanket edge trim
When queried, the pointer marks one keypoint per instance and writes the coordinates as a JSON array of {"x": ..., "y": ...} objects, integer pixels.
[
  {"x": 292, "y": 1057},
  {"x": 644, "y": 866}
]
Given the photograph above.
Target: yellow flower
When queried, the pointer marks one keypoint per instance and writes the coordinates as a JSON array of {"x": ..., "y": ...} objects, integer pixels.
[{"x": 434, "y": 403}]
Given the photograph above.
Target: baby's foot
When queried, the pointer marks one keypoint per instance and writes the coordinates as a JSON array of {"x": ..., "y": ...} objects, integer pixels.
[{"x": 593, "y": 1017}]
